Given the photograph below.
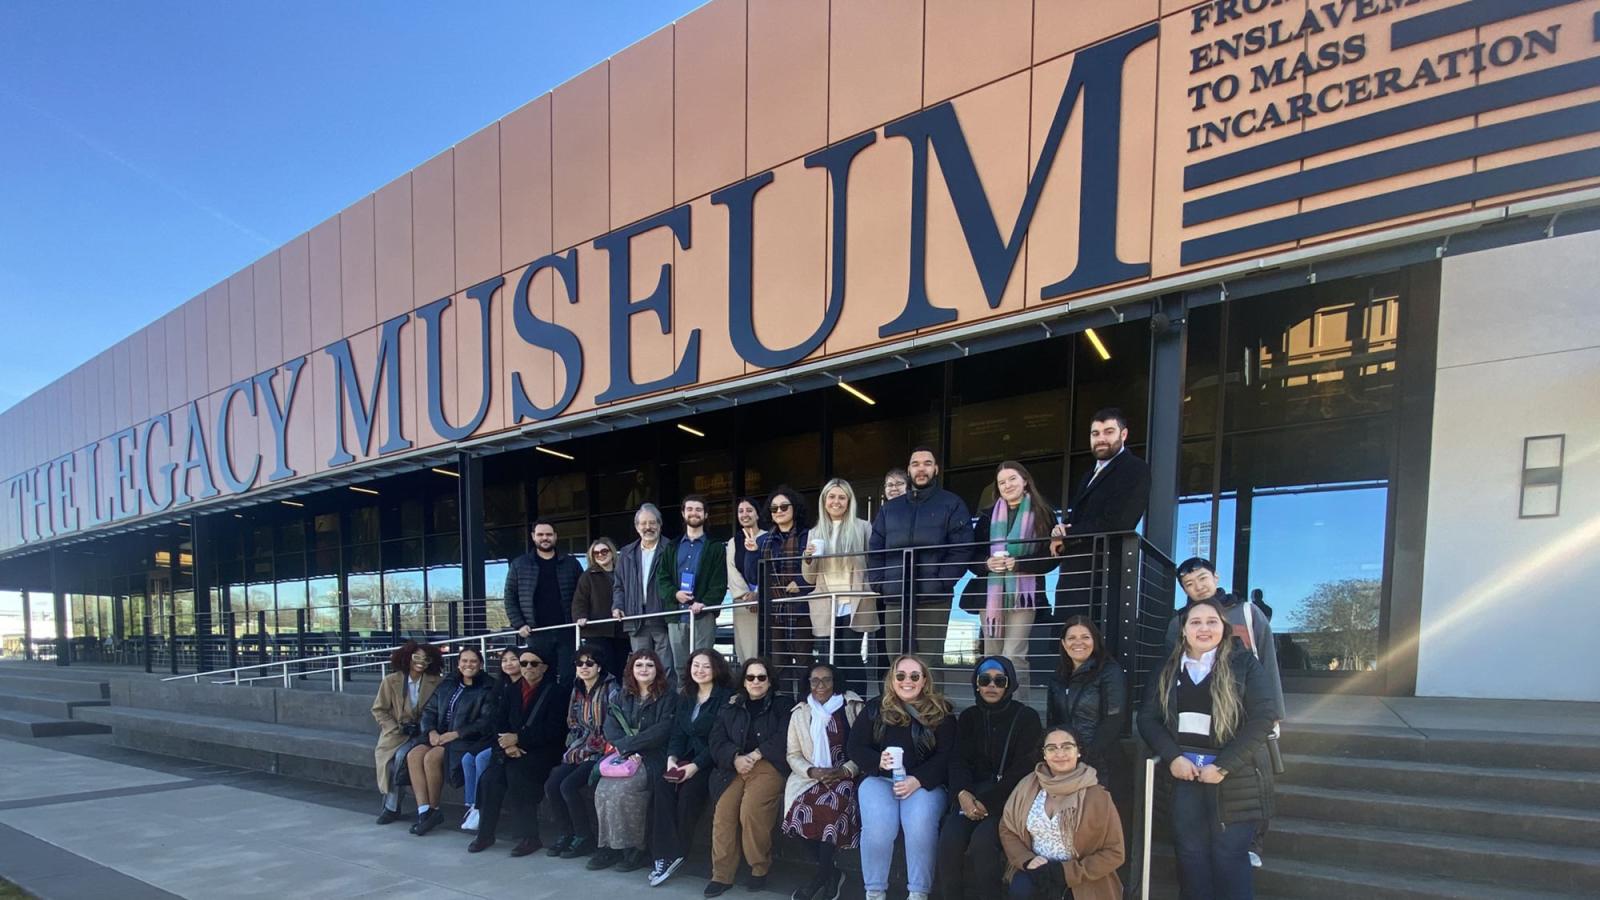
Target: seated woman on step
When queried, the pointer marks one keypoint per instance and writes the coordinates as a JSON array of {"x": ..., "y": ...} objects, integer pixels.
[
  {"x": 402, "y": 696},
  {"x": 458, "y": 720}
]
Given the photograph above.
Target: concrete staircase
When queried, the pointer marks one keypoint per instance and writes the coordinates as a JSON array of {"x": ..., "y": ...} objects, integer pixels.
[{"x": 41, "y": 701}]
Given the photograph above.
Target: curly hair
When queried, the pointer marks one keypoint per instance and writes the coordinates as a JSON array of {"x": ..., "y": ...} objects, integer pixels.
[
  {"x": 658, "y": 685},
  {"x": 400, "y": 659},
  {"x": 931, "y": 707}
]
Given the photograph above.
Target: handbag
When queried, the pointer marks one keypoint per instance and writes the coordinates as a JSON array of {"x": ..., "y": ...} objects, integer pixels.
[{"x": 614, "y": 765}]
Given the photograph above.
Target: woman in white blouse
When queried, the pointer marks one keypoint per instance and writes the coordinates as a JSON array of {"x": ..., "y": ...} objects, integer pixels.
[{"x": 1060, "y": 828}]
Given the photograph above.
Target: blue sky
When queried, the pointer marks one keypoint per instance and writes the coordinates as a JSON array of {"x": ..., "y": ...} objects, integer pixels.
[{"x": 154, "y": 149}]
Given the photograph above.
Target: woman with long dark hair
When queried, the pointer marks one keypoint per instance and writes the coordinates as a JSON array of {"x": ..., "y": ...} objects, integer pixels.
[
  {"x": 1009, "y": 589},
  {"x": 458, "y": 720},
  {"x": 748, "y": 744},
  {"x": 679, "y": 796},
  {"x": 743, "y": 578},
  {"x": 587, "y": 710},
  {"x": 1089, "y": 694},
  {"x": 402, "y": 696},
  {"x": 638, "y": 725},
  {"x": 781, "y": 550},
  {"x": 1207, "y": 716}
]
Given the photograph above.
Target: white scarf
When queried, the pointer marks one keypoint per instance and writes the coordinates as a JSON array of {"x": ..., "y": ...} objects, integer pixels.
[{"x": 821, "y": 715}]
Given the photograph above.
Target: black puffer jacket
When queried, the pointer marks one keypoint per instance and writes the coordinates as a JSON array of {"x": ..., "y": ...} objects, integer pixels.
[
  {"x": 1245, "y": 795},
  {"x": 474, "y": 718},
  {"x": 996, "y": 745},
  {"x": 1093, "y": 702},
  {"x": 922, "y": 517},
  {"x": 744, "y": 725}
]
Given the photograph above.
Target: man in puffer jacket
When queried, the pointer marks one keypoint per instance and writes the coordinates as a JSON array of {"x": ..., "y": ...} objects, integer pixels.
[{"x": 997, "y": 744}]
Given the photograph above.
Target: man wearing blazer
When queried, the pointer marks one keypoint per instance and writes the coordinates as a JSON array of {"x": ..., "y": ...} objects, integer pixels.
[{"x": 1112, "y": 497}]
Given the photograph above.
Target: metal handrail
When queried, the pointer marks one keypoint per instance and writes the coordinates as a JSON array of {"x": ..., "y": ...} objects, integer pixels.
[{"x": 340, "y": 667}]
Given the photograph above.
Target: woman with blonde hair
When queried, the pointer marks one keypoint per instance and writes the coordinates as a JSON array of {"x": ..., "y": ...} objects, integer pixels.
[
  {"x": 1060, "y": 829},
  {"x": 1208, "y": 716},
  {"x": 835, "y": 561},
  {"x": 902, "y": 743}
]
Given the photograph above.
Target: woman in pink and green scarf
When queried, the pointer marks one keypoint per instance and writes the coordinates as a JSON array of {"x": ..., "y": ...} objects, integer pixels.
[{"x": 1010, "y": 583}]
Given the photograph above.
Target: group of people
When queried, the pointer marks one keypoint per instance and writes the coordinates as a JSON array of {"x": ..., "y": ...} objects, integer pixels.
[{"x": 633, "y": 737}]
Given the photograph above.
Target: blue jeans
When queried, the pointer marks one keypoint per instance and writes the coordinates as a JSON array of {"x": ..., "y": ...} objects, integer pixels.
[
  {"x": 472, "y": 766},
  {"x": 1212, "y": 864},
  {"x": 882, "y": 818}
]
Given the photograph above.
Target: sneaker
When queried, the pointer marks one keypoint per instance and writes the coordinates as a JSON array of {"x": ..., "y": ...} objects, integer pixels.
[
  {"x": 832, "y": 887},
  {"x": 470, "y": 823},
  {"x": 1255, "y": 860},
  {"x": 663, "y": 870},
  {"x": 877, "y": 895},
  {"x": 389, "y": 815},
  {"x": 427, "y": 821},
  {"x": 810, "y": 889},
  {"x": 604, "y": 858},
  {"x": 579, "y": 848},
  {"x": 759, "y": 882},
  {"x": 916, "y": 895},
  {"x": 633, "y": 860},
  {"x": 560, "y": 846},
  {"x": 717, "y": 889}
]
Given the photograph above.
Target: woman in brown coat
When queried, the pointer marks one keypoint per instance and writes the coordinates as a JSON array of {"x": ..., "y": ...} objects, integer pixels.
[
  {"x": 591, "y": 607},
  {"x": 1060, "y": 830},
  {"x": 398, "y": 709}
]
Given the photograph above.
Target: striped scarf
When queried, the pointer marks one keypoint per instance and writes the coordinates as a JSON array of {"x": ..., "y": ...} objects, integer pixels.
[{"x": 1011, "y": 590}]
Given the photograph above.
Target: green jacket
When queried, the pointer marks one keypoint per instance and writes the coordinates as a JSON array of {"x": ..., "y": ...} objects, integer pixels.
[{"x": 710, "y": 576}]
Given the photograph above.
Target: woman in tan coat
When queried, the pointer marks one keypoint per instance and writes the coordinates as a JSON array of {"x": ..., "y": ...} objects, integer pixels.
[
  {"x": 398, "y": 710},
  {"x": 835, "y": 560},
  {"x": 1060, "y": 831}
]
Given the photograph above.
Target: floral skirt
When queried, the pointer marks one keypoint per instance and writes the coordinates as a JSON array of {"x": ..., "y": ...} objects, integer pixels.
[{"x": 826, "y": 813}]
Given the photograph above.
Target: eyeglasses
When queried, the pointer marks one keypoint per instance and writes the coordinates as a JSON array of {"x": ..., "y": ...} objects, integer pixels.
[
  {"x": 419, "y": 657},
  {"x": 530, "y": 663},
  {"x": 819, "y": 681},
  {"x": 755, "y": 677},
  {"x": 999, "y": 681},
  {"x": 781, "y": 507},
  {"x": 912, "y": 676},
  {"x": 1059, "y": 748},
  {"x": 586, "y": 663}
]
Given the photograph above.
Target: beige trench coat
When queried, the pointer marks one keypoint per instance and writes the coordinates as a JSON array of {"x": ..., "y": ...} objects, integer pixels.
[
  {"x": 392, "y": 711},
  {"x": 800, "y": 752}
]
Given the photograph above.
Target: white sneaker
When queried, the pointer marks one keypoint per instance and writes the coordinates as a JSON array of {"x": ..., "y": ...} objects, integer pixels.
[
  {"x": 916, "y": 895},
  {"x": 663, "y": 870},
  {"x": 877, "y": 895},
  {"x": 1255, "y": 860},
  {"x": 470, "y": 823}
]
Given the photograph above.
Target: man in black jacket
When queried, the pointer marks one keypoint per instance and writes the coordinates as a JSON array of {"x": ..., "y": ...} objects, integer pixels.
[
  {"x": 997, "y": 744},
  {"x": 1112, "y": 497},
  {"x": 926, "y": 516},
  {"x": 539, "y": 589},
  {"x": 531, "y": 734}
]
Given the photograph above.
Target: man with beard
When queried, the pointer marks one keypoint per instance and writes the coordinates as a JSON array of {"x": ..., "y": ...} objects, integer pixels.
[
  {"x": 635, "y": 586},
  {"x": 997, "y": 744},
  {"x": 538, "y": 593},
  {"x": 1112, "y": 497},
  {"x": 694, "y": 573},
  {"x": 926, "y": 516}
]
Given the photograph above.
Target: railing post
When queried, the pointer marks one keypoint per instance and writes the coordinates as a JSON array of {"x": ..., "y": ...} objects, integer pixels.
[
  {"x": 455, "y": 619},
  {"x": 338, "y": 673},
  {"x": 261, "y": 636},
  {"x": 149, "y": 664},
  {"x": 300, "y": 633},
  {"x": 908, "y": 605},
  {"x": 172, "y": 641},
  {"x": 228, "y": 624},
  {"x": 763, "y": 612},
  {"x": 394, "y": 612},
  {"x": 833, "y": 628}
]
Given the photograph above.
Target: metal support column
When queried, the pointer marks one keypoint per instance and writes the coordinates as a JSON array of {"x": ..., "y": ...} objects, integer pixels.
[
  {"x": 474, "y": 543},
  {"x": 1169, "y": 348},
  {"x": 204, "y": 615},
  {"x": 63, "y": 643},
  {"x": 27, "y": 627}
]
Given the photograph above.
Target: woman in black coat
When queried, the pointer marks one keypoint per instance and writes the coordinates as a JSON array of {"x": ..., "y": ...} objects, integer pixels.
[
  {"x": 459, "y": 719},
  {"x": 1208, "y": 716},
  {"x": 750, "y": 743},
  {"x": 1089, "y": 694},
  {"x": 679, "y": 796},
  {"x": 530, "y": 718}
]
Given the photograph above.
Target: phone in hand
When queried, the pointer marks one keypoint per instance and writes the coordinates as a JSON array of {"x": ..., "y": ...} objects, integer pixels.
[{"x": 674, "y": 774}]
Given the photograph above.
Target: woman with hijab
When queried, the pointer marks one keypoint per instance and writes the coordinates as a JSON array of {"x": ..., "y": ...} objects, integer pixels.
[
  {"x": 1010, "y": 585},
  {"x": 820, "y": 795},
  {"x": 1208, "y": 716},
  {"x": 997, "y": 744},
  {"x": 835, "y": 562},
  {"x": 903, "y": 746},
  {"x": 402, "y": 696},
  {"x": 459, "y": 719},
  {"x": 1060, "y": 830},
  {"x": 748, "y": 744},
  {"x": 743, "y": 578},
  {"x": 1089, "y": 694}
]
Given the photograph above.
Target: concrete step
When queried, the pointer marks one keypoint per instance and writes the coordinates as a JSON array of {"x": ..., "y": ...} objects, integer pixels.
[
  {"x": 70, "y": 688},
  {"x": 1286, "y": 878},
  {"x": 1489, "y": 861},
  {"x": 45, "y": 705},
  {"x": 29, "y": 725},
  {"x": 1444, "y": 815},
  {"x": 1577, "y": 789},
  {"x": 1467, "y": 748}
]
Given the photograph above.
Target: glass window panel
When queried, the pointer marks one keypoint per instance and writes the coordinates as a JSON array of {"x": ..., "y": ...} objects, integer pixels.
[
  {"x": 323, "y": 597},
  {"x": 403, "y": 517},
  {"x": 325, "y": 562},
  {"x": 325, "y": 530},
  {"x": 367, "y": 611},
  {"x": 261, "y": 540},
  {"x": 404, "y": 588},
  {"x": 364, "y": 527},
  {"x": 710, "y": 474},
  {"x": 292, "y": 537},
  {"x": 405, "y": 554},
  {"x": 504, "y": 503},
  {"x": 293, "y": 566},
  {"x": 565, "y": 494},
  {"x": 443, "y": 548},
  {"x": 794, "y": 460},
  {"x": 976, "y": 485},
  {"x": 446, "y": 514},
  {"x": 494, "y": 584},
  {"x": 626, "y": 489},
  {"x": 506, "y": 543},
  {"x": 1122, "y": 380},
  {"x": 1203, "y": 388}
]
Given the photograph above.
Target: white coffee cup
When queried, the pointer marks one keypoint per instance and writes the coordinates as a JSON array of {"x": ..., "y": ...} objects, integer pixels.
[
  {"x": 897, "y": 757},
  {"x": 819, "y": 546},
  {"x": 1002, "y": 553}
]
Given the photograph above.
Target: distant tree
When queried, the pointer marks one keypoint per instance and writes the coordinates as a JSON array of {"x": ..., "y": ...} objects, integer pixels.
[{"x": 1344, "y": 616}]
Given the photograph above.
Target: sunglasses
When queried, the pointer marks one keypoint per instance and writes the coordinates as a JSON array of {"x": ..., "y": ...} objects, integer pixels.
[
  {"x": 530, "y": 663},
  {"x": 419, "y": 657},
  {"x": 600, "y": 551},
  {"x": 755, "y": 678},
  {"x": 781, "y": 507},
  {"x": 1059, "y": 748},
  {"x": 995, "y": 680},
  {"x": 586, "y": 663},
  {"x": 908, "y": 676}
]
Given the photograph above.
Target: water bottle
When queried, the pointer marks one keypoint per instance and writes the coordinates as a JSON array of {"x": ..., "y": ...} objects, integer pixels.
[{"x": 898, "y": 773}]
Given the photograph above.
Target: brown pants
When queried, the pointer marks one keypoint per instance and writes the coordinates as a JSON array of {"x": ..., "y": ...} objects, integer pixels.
[{"x": 748, "y": 805}]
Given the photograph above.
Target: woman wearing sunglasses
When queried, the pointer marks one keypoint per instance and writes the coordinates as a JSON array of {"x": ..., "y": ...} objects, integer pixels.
[
  {"x": 749, "y": 743},
  {"x": 997, "y": 744},
  {"x": 402, "y": 696},
  {"x": 782, "y": 549},
  {"x": 567, "y": 788},
  {"x": 528, "y": 744},
  {"x": 903, "y": 744},
  {"x": 591, "y": 607},
  {"x": 1061, "y": 832}
]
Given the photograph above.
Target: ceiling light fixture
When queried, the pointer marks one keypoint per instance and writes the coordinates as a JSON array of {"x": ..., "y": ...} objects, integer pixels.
[
  {"x": 1098, "y": 346},
  {"x": 858, "y": 394},
  {"x": 555, "y": 453},
  {"x": 694, "y": 431},
  {"x": 362, "y": 490},
  {"x": 292, "y": 503},
  {"x": 451, "y": 473}
]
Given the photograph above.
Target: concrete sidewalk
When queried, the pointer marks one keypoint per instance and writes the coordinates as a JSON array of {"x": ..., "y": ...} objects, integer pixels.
[{"x": 76, "y": 826}]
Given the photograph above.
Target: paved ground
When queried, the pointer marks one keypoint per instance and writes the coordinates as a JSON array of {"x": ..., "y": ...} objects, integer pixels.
[{"x": 80, "y": 818}]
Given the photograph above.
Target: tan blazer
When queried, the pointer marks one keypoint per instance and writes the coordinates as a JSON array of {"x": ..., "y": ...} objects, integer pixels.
[
  {"x": 391, "y": 711},
  {"x": 853, "y": 577},
  {"x": 799, "y": 754},
  {"x": 1097, "y": 844}
]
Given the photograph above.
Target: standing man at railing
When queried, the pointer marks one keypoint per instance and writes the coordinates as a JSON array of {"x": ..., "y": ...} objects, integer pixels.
[
  {"x": 1112, "y": 497},
  {"x": 694, "y": 573},
  {"x": 937, "y": 524},
  {"x": 539, "y": 589},
  {"x": 635, "y": 588}
]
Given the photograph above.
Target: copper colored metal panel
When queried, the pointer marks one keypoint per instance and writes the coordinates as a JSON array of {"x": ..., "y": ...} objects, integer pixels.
[
  {"x": 581, "y": 189},
  {"x": 535, "y": 364},
  {"x": 877, "y": 247},
  {"x": 641, "y": 128},
  {"x": 295, "y": 282},
  {"x": 433, "y": 227},
  {"x": 357, "y": 268},
  {"x": 468, "y": 355},
  {"x": 392, "y": 225},
  {"x": 700, "y": 294},
  {"x": 241, "y": 325},
  {"x": 301, "y": 424},
  {"x": 874, "y": 64},
  {"x": 327, "y": 315},
  {"x": 1062, "y": 27},
  {"x": 588, "y": 319},
  {"x": 789, "y": 281},
  {"x": 709, "y": 99},
  {"x": 651, "y": 356},
  {"x": 525, "y": 183},
  {"x": 417, "y": 337},
  {"x": 787, "y": 101},
  {"x": 971, "y": 44},
  {"x": 477, "y": 207}
]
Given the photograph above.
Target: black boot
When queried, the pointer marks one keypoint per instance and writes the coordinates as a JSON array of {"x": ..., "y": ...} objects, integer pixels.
[
  {"x": 560, "y": 846},
  {"x": 392, "y": 815}
]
